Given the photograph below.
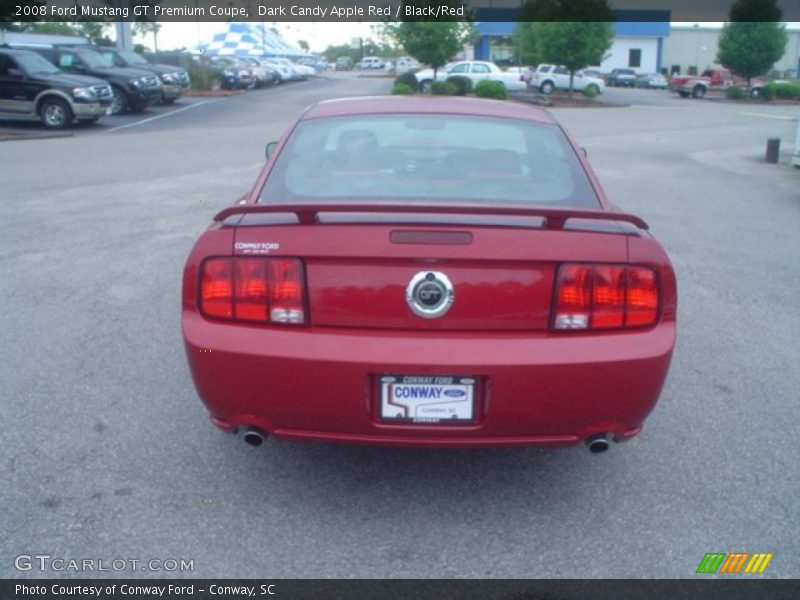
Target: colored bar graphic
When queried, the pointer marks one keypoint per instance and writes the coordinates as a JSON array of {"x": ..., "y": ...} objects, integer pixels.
[
  {"x": 733, "y": 563},
  {"x": 758, "y": 563},
  {"x": 711, "y": 562}
]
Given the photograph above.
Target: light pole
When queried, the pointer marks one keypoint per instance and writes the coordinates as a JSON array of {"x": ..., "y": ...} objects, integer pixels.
[{"x": 796, "y": 155}]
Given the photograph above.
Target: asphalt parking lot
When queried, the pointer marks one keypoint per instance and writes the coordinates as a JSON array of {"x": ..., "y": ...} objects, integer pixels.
[{"x": 109, "y": 453}]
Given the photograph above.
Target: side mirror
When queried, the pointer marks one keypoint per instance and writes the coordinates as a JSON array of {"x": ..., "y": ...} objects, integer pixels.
[{"x": 270, "y": 149}]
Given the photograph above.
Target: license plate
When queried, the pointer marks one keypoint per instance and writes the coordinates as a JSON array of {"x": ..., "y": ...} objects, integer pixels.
[{"x": 427, "y": 398}]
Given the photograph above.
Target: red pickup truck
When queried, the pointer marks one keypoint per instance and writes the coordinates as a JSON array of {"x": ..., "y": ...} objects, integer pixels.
[{"x": 712, "y": 80}]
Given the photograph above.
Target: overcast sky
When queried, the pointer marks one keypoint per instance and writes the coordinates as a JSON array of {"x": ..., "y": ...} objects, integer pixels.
[{"x": 318, "y": 35}]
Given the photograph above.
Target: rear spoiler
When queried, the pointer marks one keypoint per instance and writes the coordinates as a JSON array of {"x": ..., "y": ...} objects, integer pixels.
[{"x": 308, "y": 214}]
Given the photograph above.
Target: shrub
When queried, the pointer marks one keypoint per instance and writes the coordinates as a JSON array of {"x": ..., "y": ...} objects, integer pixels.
[
  {"x": 402, "y": 89},
  {"x": 785, "y": 89},
  {"x": 488, "y": 88},
  {"x": 201, "y": 77},
  {"x": 590, "y": 91},
  {"x": 768, "y": 93},
  {"x": 734, "y": 92},
  {"x": 462, "y": 84},
  {"x": 443, "y": 88},
  {"x": 408, "y": 79}
]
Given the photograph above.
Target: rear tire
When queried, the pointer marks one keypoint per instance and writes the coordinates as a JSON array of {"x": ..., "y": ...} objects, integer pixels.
[
  {"x": 55, "y": 113},
  {"x": 756, "y": 92},
  {"x": 547, "y": 88},
  {"x": 698, "y": 92}
]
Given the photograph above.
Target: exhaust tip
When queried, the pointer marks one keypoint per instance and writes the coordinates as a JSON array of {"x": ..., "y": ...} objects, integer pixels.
[
  {"x": 597, "y": 443},
  {"x": 253, "y": 436}
]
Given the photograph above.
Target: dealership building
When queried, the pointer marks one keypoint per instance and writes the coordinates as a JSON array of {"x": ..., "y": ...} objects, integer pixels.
[
  {"x": 639, "y": 39},
  {"x": 644, "y": 40}
]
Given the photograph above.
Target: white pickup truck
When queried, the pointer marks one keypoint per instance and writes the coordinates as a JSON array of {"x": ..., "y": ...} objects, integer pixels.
[
  {"x": 548, "y": 78},
  {"x": 476, "y": 70}
]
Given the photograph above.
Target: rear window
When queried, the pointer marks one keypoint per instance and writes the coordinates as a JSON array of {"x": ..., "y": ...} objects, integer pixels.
[{"x": 429, "y": 157}]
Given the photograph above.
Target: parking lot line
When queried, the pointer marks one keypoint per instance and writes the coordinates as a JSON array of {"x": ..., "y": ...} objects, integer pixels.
[
  {"x": 155, "y": 118},
  {"x": 766, "y": 116}
]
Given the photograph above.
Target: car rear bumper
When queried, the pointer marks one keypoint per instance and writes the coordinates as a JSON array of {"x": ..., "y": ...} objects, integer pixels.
[{"x": 320, "y": 384}]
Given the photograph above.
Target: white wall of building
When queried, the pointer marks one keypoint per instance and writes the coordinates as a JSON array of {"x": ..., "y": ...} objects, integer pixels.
[
  {"x": 697, "y": 47},
  {"x": 618, "y": 56}
]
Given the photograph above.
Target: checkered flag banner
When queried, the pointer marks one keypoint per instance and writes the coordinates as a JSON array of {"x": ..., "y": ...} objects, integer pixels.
[{"x": 248, "y": 39}]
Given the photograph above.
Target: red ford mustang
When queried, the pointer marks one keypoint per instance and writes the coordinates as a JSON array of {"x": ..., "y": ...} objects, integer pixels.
[{"x": 428, "y": 272}]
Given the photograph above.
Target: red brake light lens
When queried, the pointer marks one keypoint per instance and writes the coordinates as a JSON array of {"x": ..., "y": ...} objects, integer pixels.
[
  {"x": 596, "y": 297},
  {"x": 574, "y": 297},
  {"x": 642, "y": 297},
  {"x": 265, "y": 290},
  {"x": 216, "y": 288},
  {"x": 251, "y": 289},
  {"x": 286, "y": 291}
]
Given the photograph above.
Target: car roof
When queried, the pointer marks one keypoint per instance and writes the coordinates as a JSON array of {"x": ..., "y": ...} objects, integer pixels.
[{"x": 383, "y": 105}]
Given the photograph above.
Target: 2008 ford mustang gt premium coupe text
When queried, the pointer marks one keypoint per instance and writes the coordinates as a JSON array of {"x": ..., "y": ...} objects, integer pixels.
[{"x": 428, "y": 272}]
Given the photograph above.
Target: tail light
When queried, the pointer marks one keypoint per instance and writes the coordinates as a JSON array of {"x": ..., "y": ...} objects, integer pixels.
[
  {"x": 597, "y": 297},
  {"x": 263, "y": 290}
]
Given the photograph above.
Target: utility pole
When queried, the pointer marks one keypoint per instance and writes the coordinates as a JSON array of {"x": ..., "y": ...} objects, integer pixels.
[
  {"x": 796, "y": 155},
  {"x": 124, "y": 36}
]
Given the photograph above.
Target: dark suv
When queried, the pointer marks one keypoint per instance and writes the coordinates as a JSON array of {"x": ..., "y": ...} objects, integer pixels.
[
  {"x": 174, "y": 80},
  {"x": 133, "y": 89},
  {"x": 31, "y": 88},
  {"x": 622, "y": 78}
]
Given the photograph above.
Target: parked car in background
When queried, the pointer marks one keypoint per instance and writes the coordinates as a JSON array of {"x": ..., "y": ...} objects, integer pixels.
[
  {"x": 549, "y": 78},
  {"x": 132, "y": 89},
  {"x": 622, "y": 78},
  {"x": 453, "y": 275},
  {"x": 305, "y": 71},
  {"x": 713, "y": 80},
  {"x": 404, "y": 64},
  {"x": 284, "y": 72},
  {"x": 475, "y": 70},
  {"x": 32, "y": 88},
  {"x": 651, "y": 81},
  {"x": 264, "y": 74},
  {"x": 344, "y": 63},
  {"x": 371, "y": 62},
  {"x": 291, "y": 70},
  {"x": 174, "y": 80},
  {"x": 233, "y": 74}
]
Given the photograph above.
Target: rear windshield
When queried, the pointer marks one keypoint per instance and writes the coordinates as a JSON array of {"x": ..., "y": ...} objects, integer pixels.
[{"x": 429, "y": 157}]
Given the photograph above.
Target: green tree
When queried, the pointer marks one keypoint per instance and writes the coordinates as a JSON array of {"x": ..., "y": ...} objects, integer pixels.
[
  {"x": 550, "y": 26},
  {"x": 303, "y": 45},
  {"x": 753, "y": 40},
  {"x": 523, "y": 39},
  {"x": 94, "y": 31},
  {"x": 432, "y": 42},
  {"x": 144, "y": 28}
]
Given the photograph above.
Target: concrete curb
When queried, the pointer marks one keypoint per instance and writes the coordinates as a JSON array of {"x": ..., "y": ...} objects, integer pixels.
[{"x": 13, "y": 136}]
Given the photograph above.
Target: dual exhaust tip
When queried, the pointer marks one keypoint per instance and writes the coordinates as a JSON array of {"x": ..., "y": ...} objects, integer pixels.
[{"x": 598, "y": 443}]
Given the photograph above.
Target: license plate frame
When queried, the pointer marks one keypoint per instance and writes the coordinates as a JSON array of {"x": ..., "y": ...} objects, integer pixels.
[{"x": 437, "y": 400}]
